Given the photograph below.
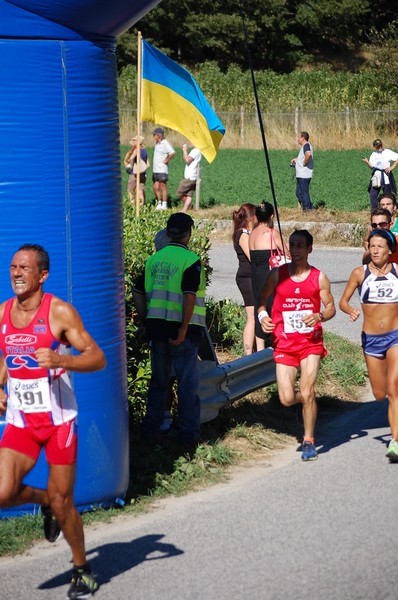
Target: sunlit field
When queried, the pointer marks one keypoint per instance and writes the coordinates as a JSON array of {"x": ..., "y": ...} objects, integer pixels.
[{"x": 339, "y": 183}]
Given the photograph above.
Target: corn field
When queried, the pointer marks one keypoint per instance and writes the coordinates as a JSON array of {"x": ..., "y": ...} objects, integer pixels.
[{"x": 339, "y": 109}]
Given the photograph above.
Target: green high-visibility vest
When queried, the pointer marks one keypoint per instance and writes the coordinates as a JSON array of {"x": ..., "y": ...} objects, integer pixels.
[{"x": 163, "y": 277}]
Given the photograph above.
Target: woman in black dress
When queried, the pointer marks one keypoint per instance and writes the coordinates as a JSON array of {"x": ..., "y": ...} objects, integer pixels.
[
  {"x": 244, "y": 219},
  {"x": 263, "y": 241}
]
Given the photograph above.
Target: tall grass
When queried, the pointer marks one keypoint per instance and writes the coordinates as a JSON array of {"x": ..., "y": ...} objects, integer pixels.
[{"x": 329, "y": 130}]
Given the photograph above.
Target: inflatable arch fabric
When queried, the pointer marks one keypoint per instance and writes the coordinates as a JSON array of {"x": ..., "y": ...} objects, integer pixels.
[{"x": 60, "y": 186}]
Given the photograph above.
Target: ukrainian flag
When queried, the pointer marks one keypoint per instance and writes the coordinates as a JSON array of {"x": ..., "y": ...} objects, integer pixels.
[{"x": 172, "y": 98}]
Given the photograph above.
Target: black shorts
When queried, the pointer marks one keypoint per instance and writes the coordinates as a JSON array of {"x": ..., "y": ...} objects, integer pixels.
[{"x": 162, "y": 177}]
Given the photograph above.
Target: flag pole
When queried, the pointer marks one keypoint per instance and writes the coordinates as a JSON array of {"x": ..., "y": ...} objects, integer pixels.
[
  {"x": 197, "y": 191},
  {"x": 260, "y": 120},
  {"x": 138, "y": 146}
]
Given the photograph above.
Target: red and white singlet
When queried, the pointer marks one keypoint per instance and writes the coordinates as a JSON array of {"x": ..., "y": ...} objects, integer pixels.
[
  {"x": 36, "y": 396},
  {"x": 292, "y": 301}
]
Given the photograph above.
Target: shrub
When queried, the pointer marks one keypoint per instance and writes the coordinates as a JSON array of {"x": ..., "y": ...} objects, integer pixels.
[{"x": 225, "y": 322}]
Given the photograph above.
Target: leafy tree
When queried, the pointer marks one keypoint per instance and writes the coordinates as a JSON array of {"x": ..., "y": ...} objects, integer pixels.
[
  {"x": 212, "y": 30},
  {"x": 283, "y": 34},
  {"x": 332, "y": 22},
  {"x": 126, "y": 50},
  {"x": 384, "y": 49}
]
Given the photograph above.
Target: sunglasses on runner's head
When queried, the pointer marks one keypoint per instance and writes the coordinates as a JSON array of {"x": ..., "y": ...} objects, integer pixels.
[{"x": 383, "y": 225}]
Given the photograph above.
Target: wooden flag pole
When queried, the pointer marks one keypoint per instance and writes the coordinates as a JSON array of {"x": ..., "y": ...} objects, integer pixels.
[
  {"x": 197, "y": 190},
  {"x": 138, "y": 133}
]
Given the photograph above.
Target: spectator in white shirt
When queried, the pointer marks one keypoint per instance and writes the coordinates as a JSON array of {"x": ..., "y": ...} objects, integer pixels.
[
  {"x": 162, "y": 155},
  {"x": 382, "y": 178},
  {"x": 304, "y": 165},
  {"x": 191, "y": 175}
]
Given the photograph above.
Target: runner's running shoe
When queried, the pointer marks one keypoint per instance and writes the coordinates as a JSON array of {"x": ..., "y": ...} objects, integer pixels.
[
  {"x": 50, "y": 525},
  {"x": 308, "y": 451},
  {"x": 392, "y": 451},
  {"x": 83, "y": 584}
]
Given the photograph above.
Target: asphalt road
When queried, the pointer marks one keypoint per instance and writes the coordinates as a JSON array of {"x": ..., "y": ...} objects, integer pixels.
[
  {"x": 337, "y": 263},
  {"x": 324, "y": 530},
  {"x": 281, "y": 529}
]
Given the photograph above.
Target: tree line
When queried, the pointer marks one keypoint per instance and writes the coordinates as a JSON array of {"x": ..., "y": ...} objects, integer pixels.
[{"x": 284, "y": 35}]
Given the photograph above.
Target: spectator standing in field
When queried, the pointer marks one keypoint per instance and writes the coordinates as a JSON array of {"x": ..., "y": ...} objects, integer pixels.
[
  {"x": 41, "y": 405},
  {"x": 377, "y": 284},
  {"x": 130, "y": 164},
  {"x": 244, "y": 219},
  {"x": 264, "y": 239},
  {"x": 304, "y": 165},
  {"x": 170, "y": 299},
  {"x": 162, "y": 155},
  {"x": 298, "y": 291},
  {"x": 382, "y": 177},
  {"x": 191, "y": 175}
]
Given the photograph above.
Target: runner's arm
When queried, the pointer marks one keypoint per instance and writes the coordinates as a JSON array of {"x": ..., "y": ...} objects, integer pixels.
[
  {"x": 67, "y": 323},
  {"x": 327, "y": 299},
  {"x": 353, "y": 283},
  {"x": 267, "y": 291},
  {"x": 3, "y": 381}
]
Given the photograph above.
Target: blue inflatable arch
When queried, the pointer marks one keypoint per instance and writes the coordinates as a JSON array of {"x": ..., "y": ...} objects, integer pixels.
[{"x": 60, "y": 186}]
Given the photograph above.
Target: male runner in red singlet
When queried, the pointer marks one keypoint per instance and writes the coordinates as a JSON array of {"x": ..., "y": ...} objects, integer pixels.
[
  {"x": 36, "y": 329},
  {"x": 295, "y": 324}
]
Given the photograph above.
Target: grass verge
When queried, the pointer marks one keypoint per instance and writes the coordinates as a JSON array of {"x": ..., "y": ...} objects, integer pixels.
[{"x": 252, "y": 429}]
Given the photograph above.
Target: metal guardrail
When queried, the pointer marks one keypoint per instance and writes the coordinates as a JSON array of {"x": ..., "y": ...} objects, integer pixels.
[{"x": 222, "y": 384}]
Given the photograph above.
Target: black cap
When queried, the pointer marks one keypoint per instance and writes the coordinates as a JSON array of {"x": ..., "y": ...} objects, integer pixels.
[
  {"x": 158, "y": 130},
  {"x": 377, "y": 143},
  {"x": 178, "y": 224}
]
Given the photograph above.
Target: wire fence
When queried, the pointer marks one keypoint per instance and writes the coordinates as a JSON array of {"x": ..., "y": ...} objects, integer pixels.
[{"x": 348, "y": 128}]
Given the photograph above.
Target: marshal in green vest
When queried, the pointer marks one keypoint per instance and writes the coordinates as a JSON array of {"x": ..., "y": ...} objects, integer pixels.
[{"x": 163, "y": 276}]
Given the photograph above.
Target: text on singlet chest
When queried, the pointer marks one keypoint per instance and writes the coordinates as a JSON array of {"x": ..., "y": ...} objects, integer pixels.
[{"x": 20, "y": 349}]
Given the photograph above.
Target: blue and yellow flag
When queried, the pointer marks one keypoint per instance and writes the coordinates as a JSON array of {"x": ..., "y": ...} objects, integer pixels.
[{"x": 172, "y": 98}]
